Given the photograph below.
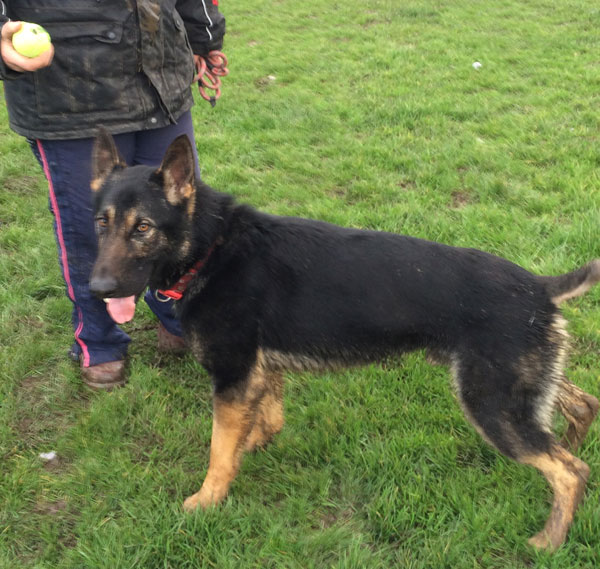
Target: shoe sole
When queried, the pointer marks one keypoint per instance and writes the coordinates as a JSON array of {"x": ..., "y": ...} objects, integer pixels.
[{"x": 105, "y": 386}]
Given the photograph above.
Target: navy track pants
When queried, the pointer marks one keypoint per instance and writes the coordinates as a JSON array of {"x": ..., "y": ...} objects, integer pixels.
[{"x": 67, "y": 166}]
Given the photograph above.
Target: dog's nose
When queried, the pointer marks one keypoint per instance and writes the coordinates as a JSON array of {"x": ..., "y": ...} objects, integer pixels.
[{"x": 103, "y": 286}]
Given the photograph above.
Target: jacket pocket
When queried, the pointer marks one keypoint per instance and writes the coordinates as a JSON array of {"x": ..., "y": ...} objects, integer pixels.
[{"x": 87, "y": 74}]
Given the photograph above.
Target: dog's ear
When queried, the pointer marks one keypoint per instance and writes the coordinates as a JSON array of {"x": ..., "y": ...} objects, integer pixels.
[
  {"x": 177, "y": 168},
  {"x": 105, "y": 157}
]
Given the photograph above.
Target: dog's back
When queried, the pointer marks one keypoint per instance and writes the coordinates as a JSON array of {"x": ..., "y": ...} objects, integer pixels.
[{"x": 333, "y": 294}]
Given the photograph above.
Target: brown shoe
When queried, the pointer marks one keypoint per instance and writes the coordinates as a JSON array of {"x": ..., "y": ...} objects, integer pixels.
[
  {"x": 170, "y": 343},
  {"x": 106, "y": 376}
]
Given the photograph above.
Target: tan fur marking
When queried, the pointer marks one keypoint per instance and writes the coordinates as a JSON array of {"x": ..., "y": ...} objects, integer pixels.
[
  {"x": 580, "y": 409},
  {"x": 546, "y": 405},
  {"x": 96, "y": 184},
  {"x": 187, "y": 191},
  {"x": 176, "y": 194},
  {"x": 111, "y": 213},
  {"x": 191, "y": 205},
  {"x": 567, "y": 475},
  {"x": 579, "y": 291},
  {"x": 231, "y": 425},
  {"x": 593, "y": 277},
  {"x": 270, "y": 416},
  {"x": 131, "y": 218},
  {"x": 172, "y": 195},
  {"x": 276, "y": 360},
  {"x": 186, "y": 247}
]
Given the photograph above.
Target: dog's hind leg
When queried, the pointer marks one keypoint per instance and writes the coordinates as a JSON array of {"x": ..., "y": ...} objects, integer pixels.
[
  {"x": 235, "y": 412},
  {"x": 270, "y": 418},
  {"x": 512, "y": 410},
  {"x": 567, "y": 475},
  {"x": 579, "y": 408}
]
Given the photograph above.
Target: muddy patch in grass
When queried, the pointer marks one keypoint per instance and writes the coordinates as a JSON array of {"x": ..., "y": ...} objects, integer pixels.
[
  {"x": 43, "y": 413},
  {"x": 60, "y": 515},
  {"x": 37, "y": 422},
  {"x": 50, "y": 508},
  {"x": 336, "y": 516},
  {"x": 460, "y": 198}
]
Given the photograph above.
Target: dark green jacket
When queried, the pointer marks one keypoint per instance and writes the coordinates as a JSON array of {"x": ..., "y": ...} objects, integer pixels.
[{"x": 123, "y": 64}]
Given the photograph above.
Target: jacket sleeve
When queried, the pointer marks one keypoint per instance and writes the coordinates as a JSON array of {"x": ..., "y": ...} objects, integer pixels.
[
  {"x": 204, "y": 24},
  {"x": 5, "y": 72}
]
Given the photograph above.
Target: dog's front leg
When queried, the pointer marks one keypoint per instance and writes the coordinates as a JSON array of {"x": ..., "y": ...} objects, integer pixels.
[
  {"x": 235, "y": 413},
  {"x": 232, "y": 422}
]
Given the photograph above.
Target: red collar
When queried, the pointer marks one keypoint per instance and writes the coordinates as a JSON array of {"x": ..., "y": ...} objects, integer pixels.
[{"x": 177, "y": 290}]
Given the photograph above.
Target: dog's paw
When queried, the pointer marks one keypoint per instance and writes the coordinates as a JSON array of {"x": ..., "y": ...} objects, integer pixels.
[
  {"x": 205, "y": 498},
  {"x": 192, "y": 502},
  {"x": 542, "y": 540}
]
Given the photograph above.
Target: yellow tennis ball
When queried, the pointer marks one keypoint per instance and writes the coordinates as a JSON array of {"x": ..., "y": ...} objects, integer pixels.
[{"x": 31, "y": 40}]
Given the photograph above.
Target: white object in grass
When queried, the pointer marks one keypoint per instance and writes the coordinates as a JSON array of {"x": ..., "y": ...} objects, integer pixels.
[{"x": 48, "y": 456}]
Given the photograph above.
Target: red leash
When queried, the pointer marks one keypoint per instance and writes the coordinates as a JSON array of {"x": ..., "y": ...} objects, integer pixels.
[{"x": 209, "y": 72}]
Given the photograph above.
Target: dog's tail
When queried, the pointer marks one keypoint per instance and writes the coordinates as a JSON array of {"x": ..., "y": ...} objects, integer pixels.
[{"x": 571, "y": 285}]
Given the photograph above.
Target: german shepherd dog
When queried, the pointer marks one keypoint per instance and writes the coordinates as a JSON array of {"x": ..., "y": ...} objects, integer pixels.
[{"x": 268, "y": 293}]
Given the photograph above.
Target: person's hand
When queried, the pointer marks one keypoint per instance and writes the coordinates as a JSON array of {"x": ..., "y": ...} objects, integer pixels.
[{"x": 16, "y": 61}]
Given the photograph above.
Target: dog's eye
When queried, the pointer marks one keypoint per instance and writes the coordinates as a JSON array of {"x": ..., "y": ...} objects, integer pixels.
[
  {"x": 143, "y": 227},
  {"x": 102, "y": 222}
]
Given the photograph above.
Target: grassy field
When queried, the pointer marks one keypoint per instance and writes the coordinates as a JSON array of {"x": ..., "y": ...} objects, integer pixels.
[{"x": 367, "y": 115}]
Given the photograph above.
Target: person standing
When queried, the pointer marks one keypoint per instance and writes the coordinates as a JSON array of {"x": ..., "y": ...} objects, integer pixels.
[{"x": 129, "y": 67}]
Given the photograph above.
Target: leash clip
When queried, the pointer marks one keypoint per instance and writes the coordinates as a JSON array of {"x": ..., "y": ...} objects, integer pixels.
[{"x": 167, "y": 295}]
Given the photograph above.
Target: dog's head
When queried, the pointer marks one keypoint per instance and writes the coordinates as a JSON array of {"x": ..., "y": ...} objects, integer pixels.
[{"x": 142, "y": 217}]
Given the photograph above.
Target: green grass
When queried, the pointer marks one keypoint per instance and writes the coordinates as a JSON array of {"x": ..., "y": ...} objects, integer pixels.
[{"x": 375, "y": 118}]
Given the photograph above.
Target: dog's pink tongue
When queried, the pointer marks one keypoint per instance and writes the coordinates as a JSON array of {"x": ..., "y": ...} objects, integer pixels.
[{"x": 121, "y": 309}]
